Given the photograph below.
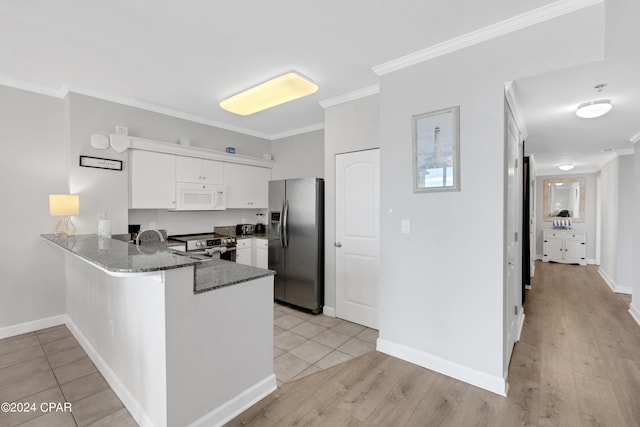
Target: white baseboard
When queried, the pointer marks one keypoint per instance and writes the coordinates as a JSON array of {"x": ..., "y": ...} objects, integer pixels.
[
  {"x": 612, "y": 284},
  {"x": 520, "y": 324},
  {"x": 624, "y": 290},
  {"x": 635, "y": 313},
  {"x": 591, "y": 261},
  {"x": 329, "y": 311},
  {"x": 234, "y": 407},
  {"x": 607, "y": 279},
  {"x": 35, "y": 325},
  {"x": 131, "y": 403},
  {"x": 488, "y": 382},
  {"x": 217, "y": 417}
]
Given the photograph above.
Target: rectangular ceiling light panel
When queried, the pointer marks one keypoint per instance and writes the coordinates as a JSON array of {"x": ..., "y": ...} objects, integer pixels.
[{"x": 284, "y": 88}]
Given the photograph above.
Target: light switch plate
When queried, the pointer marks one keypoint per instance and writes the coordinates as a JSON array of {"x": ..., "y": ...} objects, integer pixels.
[{"x": 405, "y": 226}]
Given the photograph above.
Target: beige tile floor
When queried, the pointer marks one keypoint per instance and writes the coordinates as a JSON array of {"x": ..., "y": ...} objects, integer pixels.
[
  {"x": 305, "y": 343},
  {"x": 50, "y": 366}
]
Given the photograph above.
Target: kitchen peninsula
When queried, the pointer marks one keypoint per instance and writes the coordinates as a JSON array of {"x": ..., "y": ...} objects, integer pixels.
[{"x": 180, "y": 340}]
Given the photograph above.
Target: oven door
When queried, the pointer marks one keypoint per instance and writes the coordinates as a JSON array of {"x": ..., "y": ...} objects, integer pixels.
[{"x": 229, "y": 255}]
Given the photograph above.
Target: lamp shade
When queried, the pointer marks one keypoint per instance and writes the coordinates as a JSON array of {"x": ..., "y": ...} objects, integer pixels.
[{"x": 64, "y": 204}]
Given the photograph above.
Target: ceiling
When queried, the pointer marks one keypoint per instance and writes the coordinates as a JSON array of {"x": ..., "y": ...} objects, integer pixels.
[{"x": 183, "y": 57}]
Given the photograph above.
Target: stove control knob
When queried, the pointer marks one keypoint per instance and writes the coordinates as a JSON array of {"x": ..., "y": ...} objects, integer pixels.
[{"x": 199, "y": 244}]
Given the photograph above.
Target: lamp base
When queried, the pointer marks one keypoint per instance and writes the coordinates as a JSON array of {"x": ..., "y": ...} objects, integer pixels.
[{"x": 65, "y": 227}]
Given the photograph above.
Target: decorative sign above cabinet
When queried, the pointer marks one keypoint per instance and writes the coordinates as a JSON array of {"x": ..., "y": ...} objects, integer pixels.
[{"x": 100, "y": 163}]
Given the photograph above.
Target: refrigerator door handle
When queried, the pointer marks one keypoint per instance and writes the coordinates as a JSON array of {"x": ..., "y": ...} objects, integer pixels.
[
  {"x": 280, "y": 225},
  {"x": 285, "y": 225}
]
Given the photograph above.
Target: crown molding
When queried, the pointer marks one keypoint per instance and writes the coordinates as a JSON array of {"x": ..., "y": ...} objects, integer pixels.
[
  {"x": 30, "y": 87},
  {"x": 515, "y": 23},
  {"x": 299, "y": 131},
  {"x": 149, "y": 106},
  {"x": 201, "y": 153},
  {"x": 65, "y": 89},
  {"x": 351, "y": 96},
  {"x": 512, "y": 99}
]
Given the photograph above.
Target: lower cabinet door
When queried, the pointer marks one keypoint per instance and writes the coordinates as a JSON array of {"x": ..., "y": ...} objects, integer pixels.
[{"x": 243, "y": 256}]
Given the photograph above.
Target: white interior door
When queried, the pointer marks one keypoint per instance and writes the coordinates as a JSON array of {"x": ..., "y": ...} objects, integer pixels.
[
  {"x": 357, "y": 236},
  {"x": 513, "y": 239}
]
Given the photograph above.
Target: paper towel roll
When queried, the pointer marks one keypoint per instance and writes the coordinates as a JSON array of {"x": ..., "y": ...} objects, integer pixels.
[{"x": 104, "y": 228}]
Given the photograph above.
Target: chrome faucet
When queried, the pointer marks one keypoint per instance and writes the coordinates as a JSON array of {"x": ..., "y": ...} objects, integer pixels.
[{"x": 144, "y": 231}]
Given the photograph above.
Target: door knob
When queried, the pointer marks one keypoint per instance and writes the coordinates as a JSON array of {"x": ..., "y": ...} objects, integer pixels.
[{"x": 337, "y": 244}]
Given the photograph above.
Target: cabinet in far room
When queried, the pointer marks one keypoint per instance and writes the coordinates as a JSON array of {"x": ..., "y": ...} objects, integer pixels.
[
  {"x": 564, "y": 246},
  {"x": 246, "y": 186},
  {"x": 193, "y": 169},
  {"x": 152, "y": 180}
]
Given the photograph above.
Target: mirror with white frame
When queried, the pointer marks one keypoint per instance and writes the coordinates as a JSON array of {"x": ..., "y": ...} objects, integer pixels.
[{"x": 564, "y": 199}]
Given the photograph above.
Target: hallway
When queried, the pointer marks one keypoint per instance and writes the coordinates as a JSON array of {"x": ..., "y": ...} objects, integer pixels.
[{"x": 577, "y": 363}]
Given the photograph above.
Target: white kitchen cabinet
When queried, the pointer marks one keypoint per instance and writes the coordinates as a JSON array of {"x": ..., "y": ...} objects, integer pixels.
[
  {"x": 565, "y": 246},
  {"x": 246, "y": 186},
  {"x": 193, "y": 169},
  {"x": 243, "y": 252},
  {"x": 262, "y": 253},
  {"x": 152, "y": 180}
]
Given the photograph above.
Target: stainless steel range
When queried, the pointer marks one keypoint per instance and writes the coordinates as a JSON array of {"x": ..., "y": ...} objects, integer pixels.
[{"x": 207, "y": 244}]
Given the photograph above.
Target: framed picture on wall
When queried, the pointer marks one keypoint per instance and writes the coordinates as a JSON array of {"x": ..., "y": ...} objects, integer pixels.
[{"x": 436, "y": 151}]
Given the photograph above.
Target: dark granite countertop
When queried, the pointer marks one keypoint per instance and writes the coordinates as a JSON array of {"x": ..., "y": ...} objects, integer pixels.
[{"x": 117, "y": 256}]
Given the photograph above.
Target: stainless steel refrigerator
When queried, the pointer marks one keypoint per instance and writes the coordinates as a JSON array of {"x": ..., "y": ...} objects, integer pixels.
[{"x": 296, "y": 241}]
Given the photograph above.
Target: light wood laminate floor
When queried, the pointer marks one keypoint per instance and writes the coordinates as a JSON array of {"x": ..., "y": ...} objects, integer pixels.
[{"x": 577, "y": 364}]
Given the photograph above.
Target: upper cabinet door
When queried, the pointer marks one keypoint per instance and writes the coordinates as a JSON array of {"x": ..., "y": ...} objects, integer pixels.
[
  {"x": 260, "y": 187},
  {"x": 192, "y": 169},
  {"x": 246, "y": 186},
  {"x": 212, "y": 171},
  {"x": 152, "y": 180}
]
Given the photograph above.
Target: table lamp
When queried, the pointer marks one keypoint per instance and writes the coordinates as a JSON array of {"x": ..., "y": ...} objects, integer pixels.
[{"x": 64, "y": 205}]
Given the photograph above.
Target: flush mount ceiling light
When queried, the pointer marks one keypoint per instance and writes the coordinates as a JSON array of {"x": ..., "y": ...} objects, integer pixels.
[
  {"x": 593, "y": 109},
  {"x": 284, "y": 88},
  {"x": 566, "y": 167}
]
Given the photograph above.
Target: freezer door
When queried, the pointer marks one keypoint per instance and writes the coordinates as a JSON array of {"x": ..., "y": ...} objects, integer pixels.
[
  {"x": 276, "y": 249},
  {"x": 304, "y": 252}
]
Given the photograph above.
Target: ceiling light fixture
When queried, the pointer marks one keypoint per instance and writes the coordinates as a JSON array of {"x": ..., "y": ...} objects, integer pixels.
[
  {"x": 593, "y": 109},
  {"x": 279, "y": 90},
  {"x": 566, "y": 167}
]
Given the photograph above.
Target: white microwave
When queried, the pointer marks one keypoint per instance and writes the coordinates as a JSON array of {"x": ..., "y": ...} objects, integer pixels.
[{"x": 199, "y": 197}]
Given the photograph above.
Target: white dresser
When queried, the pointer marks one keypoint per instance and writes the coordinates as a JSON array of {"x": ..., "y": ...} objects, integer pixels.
[{"x": 566, "y": 246}]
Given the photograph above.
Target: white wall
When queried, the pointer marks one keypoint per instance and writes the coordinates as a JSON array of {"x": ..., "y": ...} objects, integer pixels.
[
  {"x": 442, "y": 287},
  {"x": 192, "y": 222},
  {"x": 609, "y": 221},
  {"x": 298, "y": 156},
  {"x": 32, "y": 166},
  {"x": 634, "y": 308},
  {"x": 590, "y": 217},
  {"x": 107, "y": 191},
  {"x": 626, "y": 223},
  {"x": 348, "y": 127}
]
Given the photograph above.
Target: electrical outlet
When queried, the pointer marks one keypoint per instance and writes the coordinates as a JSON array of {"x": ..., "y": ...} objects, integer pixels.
[
  {"x": 405, "y": 226},
  {"x": 152, "y": 225},
  {"x": 102, "y": 216}
]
